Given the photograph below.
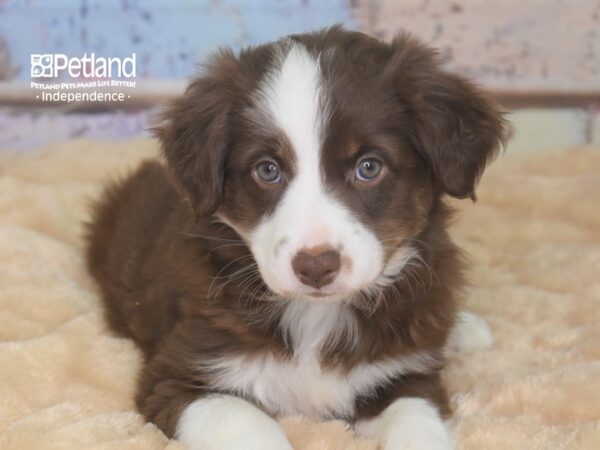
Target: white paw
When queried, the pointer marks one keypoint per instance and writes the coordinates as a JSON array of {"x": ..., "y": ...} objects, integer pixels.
[
  {"x": 408, "y": 424},
  {"x": 225, "y": 422},
  {"x": 470, "y": 333}
]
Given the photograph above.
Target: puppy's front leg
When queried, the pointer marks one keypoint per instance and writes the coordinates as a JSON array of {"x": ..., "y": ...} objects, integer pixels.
[
  {"x": 177, "y": 401},
  {"x": 227, "y": 422},
  {"x": 412, "y": 421}
]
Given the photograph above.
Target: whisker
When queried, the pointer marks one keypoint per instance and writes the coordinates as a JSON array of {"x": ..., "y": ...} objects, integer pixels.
[
  {"x": 246, "y": 284},
  {"x": 235, "y": 276},
  {"x": 216, "y": 277},
  {"x": 212, "y": 238},
  {"x": 223, "y": 246}
]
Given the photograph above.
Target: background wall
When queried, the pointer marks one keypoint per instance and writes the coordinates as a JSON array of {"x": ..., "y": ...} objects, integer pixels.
[
  {"x": 508, "y": 45},
  {"x": 541, "y": 58},
  {"x": 169, "y": 36}
]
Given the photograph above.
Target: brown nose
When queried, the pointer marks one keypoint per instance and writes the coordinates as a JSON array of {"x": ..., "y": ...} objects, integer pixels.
[{"x": 316, "y": 268}]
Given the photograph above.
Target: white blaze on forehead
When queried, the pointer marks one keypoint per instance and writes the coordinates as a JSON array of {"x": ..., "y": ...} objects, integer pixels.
[{"x": 291, "y": 96}]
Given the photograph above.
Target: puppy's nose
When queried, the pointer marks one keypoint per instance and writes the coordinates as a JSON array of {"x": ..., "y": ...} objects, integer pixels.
[{"x": 316, "y": 267}]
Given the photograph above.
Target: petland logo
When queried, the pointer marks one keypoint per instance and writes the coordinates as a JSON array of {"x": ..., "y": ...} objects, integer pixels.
[
  {"x": 58, "y": 78},
  {"x": 89, "y": 66}
]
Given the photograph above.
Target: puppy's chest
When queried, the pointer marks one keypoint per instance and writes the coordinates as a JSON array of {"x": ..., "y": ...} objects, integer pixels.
[
  {"x": 301, "y": 384},
  {"x": 292, "y": 386}
]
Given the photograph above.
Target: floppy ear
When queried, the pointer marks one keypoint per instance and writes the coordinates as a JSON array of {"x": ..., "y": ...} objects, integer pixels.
[
  {"x": 457, "y": 129},
  {"x": 194, "y": 135}
]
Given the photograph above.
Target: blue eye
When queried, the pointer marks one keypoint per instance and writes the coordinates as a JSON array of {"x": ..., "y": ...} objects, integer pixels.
[
  {"x": 368, "y": 169},
  {"x": 268, "y": 172}
]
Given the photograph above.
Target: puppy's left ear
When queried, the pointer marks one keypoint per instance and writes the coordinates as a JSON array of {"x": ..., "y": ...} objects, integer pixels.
[
  {"x": 457, "y": 128},
  {"x": 194, "y": 134}
]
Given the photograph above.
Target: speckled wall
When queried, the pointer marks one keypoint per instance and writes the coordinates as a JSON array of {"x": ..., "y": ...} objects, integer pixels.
[
  {"x": 169, "y": 36},
  {"x": 506, "y": 44}
]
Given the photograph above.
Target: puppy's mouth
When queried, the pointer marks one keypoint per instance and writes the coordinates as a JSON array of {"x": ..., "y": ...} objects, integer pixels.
[
  {"x": 321, "y": 295},
  {"x": 329, "y": 296},
  {"x": 318, "y": 294}
]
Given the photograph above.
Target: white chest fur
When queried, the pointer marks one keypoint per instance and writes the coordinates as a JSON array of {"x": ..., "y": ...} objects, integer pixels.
[{"x": 300, "y": 385}]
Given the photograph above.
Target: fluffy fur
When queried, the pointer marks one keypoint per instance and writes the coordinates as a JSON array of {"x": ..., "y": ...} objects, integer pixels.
[
  {"x": 67, "y": 381},
  {"x": 218, "y": 271}
]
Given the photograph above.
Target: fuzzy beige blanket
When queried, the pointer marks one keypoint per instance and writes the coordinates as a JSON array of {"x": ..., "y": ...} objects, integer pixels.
[{"x": 534, "y": 243}]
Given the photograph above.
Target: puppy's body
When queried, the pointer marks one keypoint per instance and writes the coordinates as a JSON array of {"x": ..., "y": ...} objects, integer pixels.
[
  {"x": 165, "y": 283},
  {"x": 325, "y": 291}
]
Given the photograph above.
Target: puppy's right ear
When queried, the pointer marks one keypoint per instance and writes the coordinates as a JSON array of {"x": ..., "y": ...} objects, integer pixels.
[{"x": 194, "y": 133}]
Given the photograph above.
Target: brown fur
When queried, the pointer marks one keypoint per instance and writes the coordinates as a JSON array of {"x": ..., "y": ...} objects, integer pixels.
[{"x": 155, "y": 249}]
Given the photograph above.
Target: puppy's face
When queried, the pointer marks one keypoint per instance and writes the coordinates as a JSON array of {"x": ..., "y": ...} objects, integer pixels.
[{"x": 325, "y": 153}]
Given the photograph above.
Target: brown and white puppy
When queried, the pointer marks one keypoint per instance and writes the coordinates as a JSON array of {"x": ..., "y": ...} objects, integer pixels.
[{"x": 293, "y": 257}]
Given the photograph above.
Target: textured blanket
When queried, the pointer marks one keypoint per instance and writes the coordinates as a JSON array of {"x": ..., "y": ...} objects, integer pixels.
[{"x": 534, "y": 244}]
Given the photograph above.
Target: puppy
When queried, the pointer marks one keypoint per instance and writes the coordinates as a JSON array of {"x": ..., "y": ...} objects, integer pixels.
[{"x": 293, "y": 255}]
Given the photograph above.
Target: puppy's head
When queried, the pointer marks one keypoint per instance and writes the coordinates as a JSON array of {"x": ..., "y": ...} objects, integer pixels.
[{"x": 326, "y": 151}]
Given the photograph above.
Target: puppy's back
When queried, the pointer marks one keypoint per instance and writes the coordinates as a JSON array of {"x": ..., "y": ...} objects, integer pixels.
[{"x": 123, "y": 242}]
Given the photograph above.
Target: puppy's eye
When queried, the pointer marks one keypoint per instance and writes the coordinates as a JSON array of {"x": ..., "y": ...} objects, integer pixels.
[
  {"x": 267, "y": 171},
  {"x": 368, "y": 169}
]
